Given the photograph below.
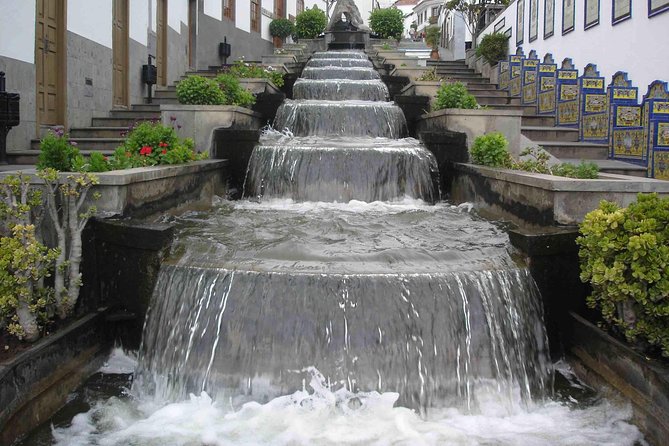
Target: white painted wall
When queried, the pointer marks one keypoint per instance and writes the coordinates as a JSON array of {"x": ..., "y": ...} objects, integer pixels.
[
  {"x": 91, "y": 19},
  {"x": 639, "y": 46},
  {"x": 139, "y": 21},
  {"x": 213, "y": 8},
  {"x": 17, "y": 30},
  {"x": 243, "y": 15},
  {"x": 153, "y": 4},
  {"x": 177, "y": 13}
]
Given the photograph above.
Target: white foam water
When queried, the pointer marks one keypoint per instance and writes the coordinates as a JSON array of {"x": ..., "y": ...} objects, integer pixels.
[{"x": 321, "y": 416}]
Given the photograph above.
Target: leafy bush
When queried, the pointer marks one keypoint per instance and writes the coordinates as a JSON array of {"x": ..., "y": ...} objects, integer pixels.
[
  {"x": 199, "y": 90},
  {"x": 537, "y": 161},
  {"x": 491, "y": 150},
  {"x": 454, "y": 95},
  {"x": 625, "y": 257},
  {"x": 150, "y": 144},
  {"x": 432, "y": 34},
  {"x": 25, "y": 305},
  {"x": 388, "y": 23},
  {"x": 310, "y": 23},
  {"x": 493, "y": 47},
  {"x": 57, "y": 152},
  {"x": 243, "y": 70},
  {"x": 234, "y": 93},
  {"x": 281, "y": 28}
]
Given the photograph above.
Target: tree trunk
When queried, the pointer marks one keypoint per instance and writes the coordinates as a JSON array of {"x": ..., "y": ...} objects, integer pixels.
[{"x": 28, "y": 322}]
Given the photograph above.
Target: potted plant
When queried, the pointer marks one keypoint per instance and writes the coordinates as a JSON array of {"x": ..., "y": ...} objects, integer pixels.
[
  {"x": 432, "y": 34},
  {"x": 280, "y": 29}
]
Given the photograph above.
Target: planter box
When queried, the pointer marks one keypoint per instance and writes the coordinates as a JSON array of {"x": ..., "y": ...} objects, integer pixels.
[
  {"x": 37, "y": 382},
  {"x": 258, "y": 85},
  {"x": 531, "y": 199},
  {"x": 604, "y": 362},
  {"x": 404, "y": 61},
  {"x": 475, "y": 123},
  {"x": 410, "y": 72},
  {"x": 278, "y": 59},
  {"x": 199, "y": 121}
]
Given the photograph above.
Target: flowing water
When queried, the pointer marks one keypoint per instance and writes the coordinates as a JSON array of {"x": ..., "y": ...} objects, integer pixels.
[{"x": 341, "y": 302}]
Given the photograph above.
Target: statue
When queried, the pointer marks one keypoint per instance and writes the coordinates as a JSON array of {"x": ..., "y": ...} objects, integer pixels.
[{"x": 346, "y": 16}]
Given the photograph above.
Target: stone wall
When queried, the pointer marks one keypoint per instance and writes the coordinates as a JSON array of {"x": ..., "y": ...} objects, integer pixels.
[{"x": 20, "y": 78}]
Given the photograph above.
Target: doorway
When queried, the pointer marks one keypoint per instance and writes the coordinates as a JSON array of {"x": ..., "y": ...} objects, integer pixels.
[
  {"x": 161, "y": 42},
  {"x": 120, "y": 57},
  {"x": 50, "y": 63}
]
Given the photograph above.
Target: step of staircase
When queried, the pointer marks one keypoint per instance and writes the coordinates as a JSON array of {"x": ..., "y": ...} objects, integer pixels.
[
  {"x": 614, "y": 166},
  {"x": 118, "y": 122},
  {"x": 165, "y": 94},
  {"x": 538, "y": 120},
  {"x": 486, "y": 99},
  {"x": 134, "y": 114},
  {"x": 97, "y": 132},
  {"x": 575, "y": 150},
  {"x": 86, "y": 145},
  {"x": 526, "y": 109},
  {"x": 153, "y": 107},
  {"x": 545, "y": 133},
  {"x": 167, "y": 99}
]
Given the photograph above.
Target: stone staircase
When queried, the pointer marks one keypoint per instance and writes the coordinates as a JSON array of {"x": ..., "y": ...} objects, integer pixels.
[{"x": 561, "y": 142}]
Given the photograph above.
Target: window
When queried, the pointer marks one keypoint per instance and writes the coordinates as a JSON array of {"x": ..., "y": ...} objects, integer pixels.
[
  {"x": 435, "y": 12},
  {"x": 255, "y": 15},
  {"x": 300, "y": 6},
  {"x": 229, "y": 9}
]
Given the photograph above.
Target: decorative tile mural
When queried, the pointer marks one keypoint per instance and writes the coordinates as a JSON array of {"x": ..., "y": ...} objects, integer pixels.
[
  {"x": 567, "y": 95},
  {"x": 529, "y": 72},
  {"x": 546, "y": 85},
  {"x": 515, "y": 72},
  {"x": 656, "y": 118},
  {"x": 593, "y": 107}
]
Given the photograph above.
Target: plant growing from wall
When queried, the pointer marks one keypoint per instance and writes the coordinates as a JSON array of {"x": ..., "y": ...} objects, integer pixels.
[
  {"x": 199, "y": 90},
  {"x": 310, "y": 23},
  {"x": 388, "y": 23},
  {"x": 281, "y": 28},
  {"x": 454, "y": 95},
  {"x": 537, "y": 161},
  {"x": 624, "y": 256},
  {"x": 24, "y": 261},
  {"x": 234, "y": 93},
  {"x": 66, "y": 206},
  {"x": 491, "y": 150},
  {"x": 493, "y": 47},
  {"x": 242, "y": 70}
]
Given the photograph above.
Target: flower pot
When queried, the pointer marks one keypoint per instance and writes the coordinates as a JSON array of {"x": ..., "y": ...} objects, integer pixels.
[{"x": 434, "y": 54}]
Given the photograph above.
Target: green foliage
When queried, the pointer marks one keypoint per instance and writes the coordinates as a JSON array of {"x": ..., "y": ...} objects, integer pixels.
[
  {"x": 386, "y": 47},
  {"x": 491, "y": 150},
  {"x": 57, "y": 152},
  {"x": 150, "y": 144},
  {"x": 240, "y": 69},
  {"x": 98, "y": 163},
  {"x": 281, "y": 28},
  {"x": 493, "y": 47},
  {"x": 199, "y": 90},
  {"x": 454, "y": 95},
  {"x": 432, "y": 34},
  {"x": 429, "y": 75},
  {"x": 25, "y": 305},
  {"x": 625, "y": 257},
  {"x": 388, "y": 23},
  {"x": 536, "y": 161},
  {"x": 310, "y": 23},
  {"x": 234, "y": 93}
]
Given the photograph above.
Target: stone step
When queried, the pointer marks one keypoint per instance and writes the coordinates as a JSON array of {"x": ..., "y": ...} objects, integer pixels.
[
  {"x": 119, "y": 122},
  {"x": 98, "y": 132},
  {"x": 526, "y": 109},
  {"x": 476, "y": 91},
  {"x": 467, "y": 80},
  {"x": 153, "y": 107},
  {"x": 538, "y": 120},
  {"x": 488, "y": 88},
  {"x": 542, "y": 133},
  {"x": 614, "y": 166},
  {"x": 462, "y": 74},
  {"x": 89, "y": 144},
  {"x": 134, "y": 114},
  {"x": 165, "y": 94},
  {"x": 165, "y": 88},
  {"x": 575, "y": 150},
  {"x": 483, "y": 99},
  {"x": 30, "y": 156},
  {"x": 165, "y": 100}
]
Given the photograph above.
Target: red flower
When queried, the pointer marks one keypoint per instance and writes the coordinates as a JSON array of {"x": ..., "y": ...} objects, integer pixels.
[
  {"x": 163, "y": 144},
  {"x": 164, "y": 151},
  {"x": 146, "y": 150}
]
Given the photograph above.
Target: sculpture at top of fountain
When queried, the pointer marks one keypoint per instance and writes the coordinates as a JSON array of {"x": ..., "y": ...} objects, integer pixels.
[{"x": 353, "y": 19}]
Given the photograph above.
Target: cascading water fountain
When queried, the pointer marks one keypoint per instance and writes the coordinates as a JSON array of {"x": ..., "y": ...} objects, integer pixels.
[{"x": 341, "y": 299}]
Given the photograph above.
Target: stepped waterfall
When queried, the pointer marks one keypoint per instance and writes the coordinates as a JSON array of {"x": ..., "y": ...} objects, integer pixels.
[{"x": 341, "y": 301}]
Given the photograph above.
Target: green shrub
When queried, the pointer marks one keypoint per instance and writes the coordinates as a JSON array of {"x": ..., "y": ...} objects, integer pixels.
[
  {"x": 57, "y": 152},
  {"x": 388, "y": 23},
  {"x": 432, "y": 34},
  {"x": 199, "y": 90},
  {"x": 625, "y": 257},
  {"x": 454, "y": 95},
  {"x": 234, "y": 93},
  {"x": 583, "y": 170},
  {"x": 281, "y": 28},
  {"x": 242, "y": 70},
  {"x": 98, "y": 162},
  {"x": 493, "y": 47},
  {"x": 310, "y": 23},
  {"x": 150, "y": 144},
  {"x": 491, "y": 150}
]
